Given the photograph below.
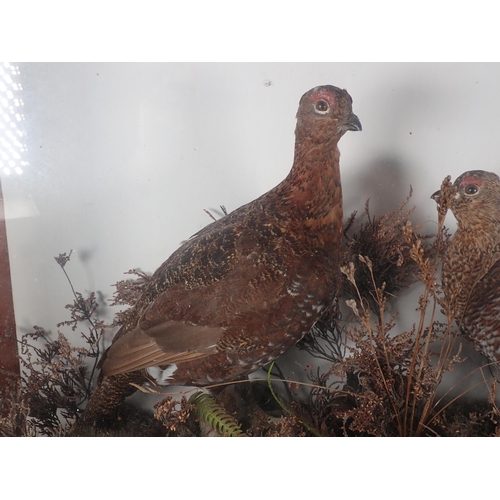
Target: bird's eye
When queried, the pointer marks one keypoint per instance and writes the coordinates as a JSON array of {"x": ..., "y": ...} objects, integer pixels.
[
  {"x": 471, "y": 189},
  {"x": 321, "y": 106}
]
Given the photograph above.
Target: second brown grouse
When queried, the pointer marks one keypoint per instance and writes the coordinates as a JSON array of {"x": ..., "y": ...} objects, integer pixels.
[{"x": 471, "y": 266}]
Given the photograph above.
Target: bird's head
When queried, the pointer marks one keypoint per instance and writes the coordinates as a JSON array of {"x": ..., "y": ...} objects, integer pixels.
[
  {"x": 326, "y": 111},
  {"x": 476, "y": 198}
]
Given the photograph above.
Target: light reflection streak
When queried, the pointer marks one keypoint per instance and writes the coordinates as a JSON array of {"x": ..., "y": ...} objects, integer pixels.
[{"x": 12, "y": 134}]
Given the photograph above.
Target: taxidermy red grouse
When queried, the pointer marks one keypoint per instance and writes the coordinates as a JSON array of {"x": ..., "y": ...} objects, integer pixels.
[
  {"x": 471, "y": 266},
  {"x": 249, "y": 286}
]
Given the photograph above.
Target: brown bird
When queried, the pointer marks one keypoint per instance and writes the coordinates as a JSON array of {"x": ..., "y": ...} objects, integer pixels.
[
  {"x": 249, "y": 286},
  {"x": 471, "y": 266}
]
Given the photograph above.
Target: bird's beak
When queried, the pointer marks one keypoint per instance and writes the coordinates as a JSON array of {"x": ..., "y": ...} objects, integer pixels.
[
  {"x": 352, "y": 123},
  {"x": 436, "y": 196}
]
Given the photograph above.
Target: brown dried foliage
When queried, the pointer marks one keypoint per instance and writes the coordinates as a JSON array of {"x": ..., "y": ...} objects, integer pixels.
[
  {"x": 381, "y": 240},
  {"x": 177, "y": 417}
]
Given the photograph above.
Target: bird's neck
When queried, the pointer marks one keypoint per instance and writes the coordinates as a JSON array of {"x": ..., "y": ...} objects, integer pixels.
[
  {"x": 312, "y": 190},
  {"x": 481, "y": 233}
]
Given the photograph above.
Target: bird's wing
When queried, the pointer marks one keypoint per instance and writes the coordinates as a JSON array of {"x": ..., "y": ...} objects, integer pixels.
[
  {"x": 167, "y": 343},
  {"x": 193, "y": 295}
]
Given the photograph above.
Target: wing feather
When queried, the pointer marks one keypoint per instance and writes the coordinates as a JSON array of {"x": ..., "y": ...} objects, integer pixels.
[{"x": 167, "y": 343}]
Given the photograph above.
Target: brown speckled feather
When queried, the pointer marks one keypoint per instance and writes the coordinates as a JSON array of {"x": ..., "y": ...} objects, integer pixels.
[
  {"x": 471, "y": 267},
  {"x": 250, "y": 285}
]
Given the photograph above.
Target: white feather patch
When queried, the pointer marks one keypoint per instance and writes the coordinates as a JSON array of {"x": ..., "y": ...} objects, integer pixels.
[{"x": 161, "y": 376}]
